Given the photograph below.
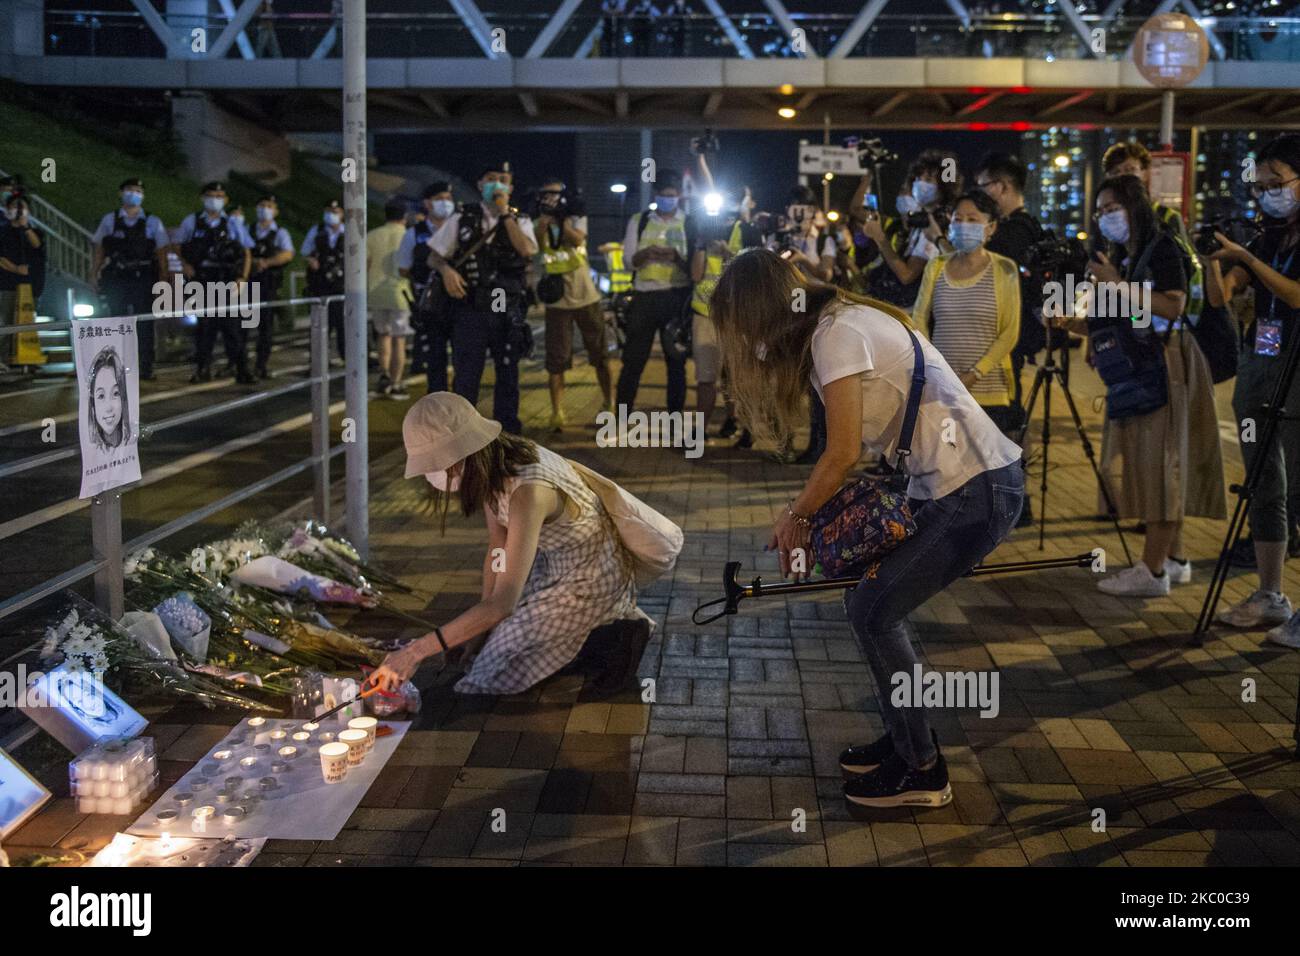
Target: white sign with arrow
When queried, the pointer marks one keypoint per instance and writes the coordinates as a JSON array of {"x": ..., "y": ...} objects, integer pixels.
[{"x": 816, "y": 159}]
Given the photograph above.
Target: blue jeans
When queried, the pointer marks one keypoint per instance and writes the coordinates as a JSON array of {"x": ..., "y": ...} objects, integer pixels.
[{"x": 953, "y": 534}]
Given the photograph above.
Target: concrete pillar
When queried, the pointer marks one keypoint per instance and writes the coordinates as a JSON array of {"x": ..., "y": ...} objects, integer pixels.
[{"x": 217, "y": 141}]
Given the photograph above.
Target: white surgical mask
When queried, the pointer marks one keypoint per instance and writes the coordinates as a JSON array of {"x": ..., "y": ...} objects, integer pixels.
[
  {"x": 265, "y": 214},
  {"x": 132, "y": 198},
  {"x": 331, "y": 219},
  {"x": 11, "y": 213},
  {"x": 439, "y": 480},
  {"x": 966, "y": 236},
  {"x": 1114, "y": 225},
  {"x": 213, "y": 203},
  {"x": 906, "y": 205},
  {"x": 237, "y": 217},
  {"x": 442, "y": 208}
]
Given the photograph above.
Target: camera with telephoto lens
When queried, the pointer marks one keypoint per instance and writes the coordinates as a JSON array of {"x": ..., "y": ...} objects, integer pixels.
[
  {"x": 1051, "y": 259},
  {"x": 921, "y": 220},
  {"x": 872, "y": 152},
  {"x": 779, "y": 230},
  {"x": 706, "y": 144},
  {"x": 1241, "y": 231},
  {"x": 558, "y": 206}
]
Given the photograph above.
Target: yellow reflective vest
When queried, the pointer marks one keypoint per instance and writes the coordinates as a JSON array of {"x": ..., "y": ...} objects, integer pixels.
[
  {"x": 712, "y": 273},
  {"x": 620, "y": 279},
  {"x": 560, "y": 259}
]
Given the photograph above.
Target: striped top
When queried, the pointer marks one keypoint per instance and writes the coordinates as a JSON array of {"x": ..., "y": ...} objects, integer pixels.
[{"x": 965, "y": 325}]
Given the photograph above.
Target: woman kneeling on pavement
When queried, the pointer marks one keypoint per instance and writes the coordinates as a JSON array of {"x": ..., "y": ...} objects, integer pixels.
[
  {"x": 556, "y": 578},
  {"x": 780, "y": 332}
]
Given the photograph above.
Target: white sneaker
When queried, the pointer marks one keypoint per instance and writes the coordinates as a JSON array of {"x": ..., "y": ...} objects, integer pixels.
[
  {"x": 1260, "y": 608},
  {"x": 1137, "y": 581},
  {"x": 1288, "y": 634},
  {"x": 1178, "y": 572}
]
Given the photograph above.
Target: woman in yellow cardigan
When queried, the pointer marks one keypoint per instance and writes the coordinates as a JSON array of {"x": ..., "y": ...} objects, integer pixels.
[{"x": 969, "y": 307}]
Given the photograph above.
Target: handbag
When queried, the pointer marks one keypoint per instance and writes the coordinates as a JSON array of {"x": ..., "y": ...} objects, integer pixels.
[
  {"x": 651, "y": 540},
  {"x": 869, "y": 517},
  {"x": 550, "y": 288}
]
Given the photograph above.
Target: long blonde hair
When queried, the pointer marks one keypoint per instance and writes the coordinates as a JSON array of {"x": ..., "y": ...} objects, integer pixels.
[{"x": 765, "y": 311}]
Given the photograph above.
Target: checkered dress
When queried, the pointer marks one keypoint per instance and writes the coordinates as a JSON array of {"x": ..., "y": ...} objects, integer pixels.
[{"x": 578, "y": 582}]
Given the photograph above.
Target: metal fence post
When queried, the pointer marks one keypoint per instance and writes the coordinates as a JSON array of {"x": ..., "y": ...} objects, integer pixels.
[
  {"x": 320, "y": 413},
  {"x": 356, "y": 385},
  {"x": 106, "y": 546}
]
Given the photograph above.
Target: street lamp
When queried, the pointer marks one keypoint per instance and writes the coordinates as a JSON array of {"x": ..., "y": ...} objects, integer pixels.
[{"x": 620, "y": 190}]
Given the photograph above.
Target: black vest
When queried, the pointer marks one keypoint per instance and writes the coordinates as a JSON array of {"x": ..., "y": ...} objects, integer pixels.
[
  {"x": 265, "y": 248},
  {"x": 420, "y": 270},
  {"x": 128, "y": 252},
  {"x": 496, "y": 264},
  {"x": 213, "y": 250},
  {"x": 328, "y": 279}
]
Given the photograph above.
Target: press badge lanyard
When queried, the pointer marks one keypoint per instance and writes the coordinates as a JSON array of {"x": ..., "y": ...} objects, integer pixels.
[{"x": 1271, "y": 341}]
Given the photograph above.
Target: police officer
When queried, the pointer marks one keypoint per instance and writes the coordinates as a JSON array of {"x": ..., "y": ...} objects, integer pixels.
[
  {"x": 432, "y": 332},
  {"x": 130, "y": 256},
  {"x": 214, "y": 248},
  {"x": 272, "y": 251},
  {"x": 487, "y": 290},
  {"x": 323, "y": 249}
]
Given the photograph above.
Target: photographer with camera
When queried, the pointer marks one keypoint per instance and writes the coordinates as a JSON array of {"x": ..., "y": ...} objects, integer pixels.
[
  {"x": 797, "y": 237},
  {"x": 214, "y": 248},
  {"x": 1160, "y": 440},
  {"x": 878, "y": 378},
  {"x": 930, "y": 189},
  {"x": 432, "y": 329},
  {"x": 322, "y": 247},
  {"x": 658, "y": 244},
  {"x": 569, "y": 294},
  {"x": 481, "y": 255},
  {"x": 1270, "y": 265}
]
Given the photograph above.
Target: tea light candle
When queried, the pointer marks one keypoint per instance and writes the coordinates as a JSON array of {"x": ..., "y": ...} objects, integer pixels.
[
  {"x": 166, "y": 818},
  {"x": 183, "y": 799},
  {"x": 224, "y": 796},
  {"x": 356, "y": 743},
  {"x": 261, "y": 749},
  {"x": 248, "y": 763},
  {"x": 288, "y": 753},
  {"x": 278, "y": 737},
  {"x": 370, "y": 725},
  {"x": 280, "y": 766},
  {"x": 268, "y": 783},
  {"x": 256, "y": 723},
  {"x": 311, "y": 727},
  {"x": 232, "y": 815},
  {"x": 223, "y": 755},
  {"x": 199, "y": 783},
  {"x": 234, "y": 783},
  {"x": 211, "y": 769},
  {"x": 300, "y": 738}
]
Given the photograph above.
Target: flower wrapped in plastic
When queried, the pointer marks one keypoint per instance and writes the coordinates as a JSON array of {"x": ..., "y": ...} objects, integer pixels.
[
  {"x": 312, "y": 546},
  {"x": 83, "y": 638}
]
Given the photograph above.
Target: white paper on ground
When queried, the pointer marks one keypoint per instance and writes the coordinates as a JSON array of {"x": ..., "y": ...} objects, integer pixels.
[{"x": 307, "y": 808}]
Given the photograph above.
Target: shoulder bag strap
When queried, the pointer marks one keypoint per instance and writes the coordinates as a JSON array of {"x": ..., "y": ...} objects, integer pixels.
[{"x": 913, "y": 403}]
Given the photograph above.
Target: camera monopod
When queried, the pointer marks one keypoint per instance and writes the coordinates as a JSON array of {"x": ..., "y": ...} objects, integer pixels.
[{"x": 734, "y": 592}]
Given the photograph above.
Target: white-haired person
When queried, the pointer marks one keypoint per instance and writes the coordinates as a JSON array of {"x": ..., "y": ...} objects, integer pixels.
[{"x": 555, "y": 576}]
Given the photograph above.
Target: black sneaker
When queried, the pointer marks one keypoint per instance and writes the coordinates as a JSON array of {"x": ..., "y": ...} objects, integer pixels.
[
  {"x": 729, "y": 428},
  {"x": 895, "y": 784},
  {"x": 864, "y": 758},
  {"x": 382, "y": 386},
  {"x": 746, "y": 440},
  {"x": 263, "y": 373}
]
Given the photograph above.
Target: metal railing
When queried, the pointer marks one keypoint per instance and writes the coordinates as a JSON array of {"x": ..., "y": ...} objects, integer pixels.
[
  {"x": 312, "y": 35},
  {"x": 68, "y": 244},
  {"x": 107, "y": 545}
]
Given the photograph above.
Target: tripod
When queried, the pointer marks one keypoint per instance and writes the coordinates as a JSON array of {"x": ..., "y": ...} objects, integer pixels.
[
  {"x": 1274, "y": 412},
  {"x": 1048, "y": 372}
]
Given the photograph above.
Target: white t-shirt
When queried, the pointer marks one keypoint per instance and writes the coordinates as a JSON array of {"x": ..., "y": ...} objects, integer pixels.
[{"x": 954, "y": 439}]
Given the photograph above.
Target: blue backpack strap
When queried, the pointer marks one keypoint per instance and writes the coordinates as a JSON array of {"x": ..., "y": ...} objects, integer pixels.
[{"x": 913, "y": 402}]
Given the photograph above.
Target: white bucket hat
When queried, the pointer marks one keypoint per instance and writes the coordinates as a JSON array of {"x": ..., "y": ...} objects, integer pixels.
[{"x": 442, "y": 429}]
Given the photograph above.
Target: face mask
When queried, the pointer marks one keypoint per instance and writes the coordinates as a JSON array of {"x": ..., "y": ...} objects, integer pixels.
[
  {"x": 11, "y": 214},
  {"x": 443, "y": 208},
  {"x": 265, "y": 214},
  {"x": 237, "y": 217},
  {"x": 666, "y": 204},
  {"x": 213, "y": 203},
  {"x": 439, "y": 480},
  {"x": 906, "y": 205},
  {"x": 492, "y": 189},
  {"x": 1114, "y": 226},
  {"x": 966, "y": 236},
  {"x": 331, "y": 219},
  {"x": 132, "y": 198},
  {"x": 1279, "y": 203},
  {"x": 924, "y": 193}
]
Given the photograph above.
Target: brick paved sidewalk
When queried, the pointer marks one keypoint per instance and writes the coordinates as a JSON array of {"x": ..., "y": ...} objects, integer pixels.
[{"x": 1103, "y": 707}]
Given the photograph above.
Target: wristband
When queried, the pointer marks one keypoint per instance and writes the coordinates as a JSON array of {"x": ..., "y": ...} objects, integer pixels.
[
  {"x": 437, "y": 632},
  {"x": 802, "y": 520}
]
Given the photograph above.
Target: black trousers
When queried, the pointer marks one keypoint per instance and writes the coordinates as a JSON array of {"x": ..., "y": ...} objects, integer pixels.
[
  {"x": 473, "y": 335},
  {"x": 653, "y": 313},
  {"x": 232, "y": 341},
  {"x": 267, "y": 291},
  {"x": 432, "y": 339},
  {"x": 133, "y": 295}
]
